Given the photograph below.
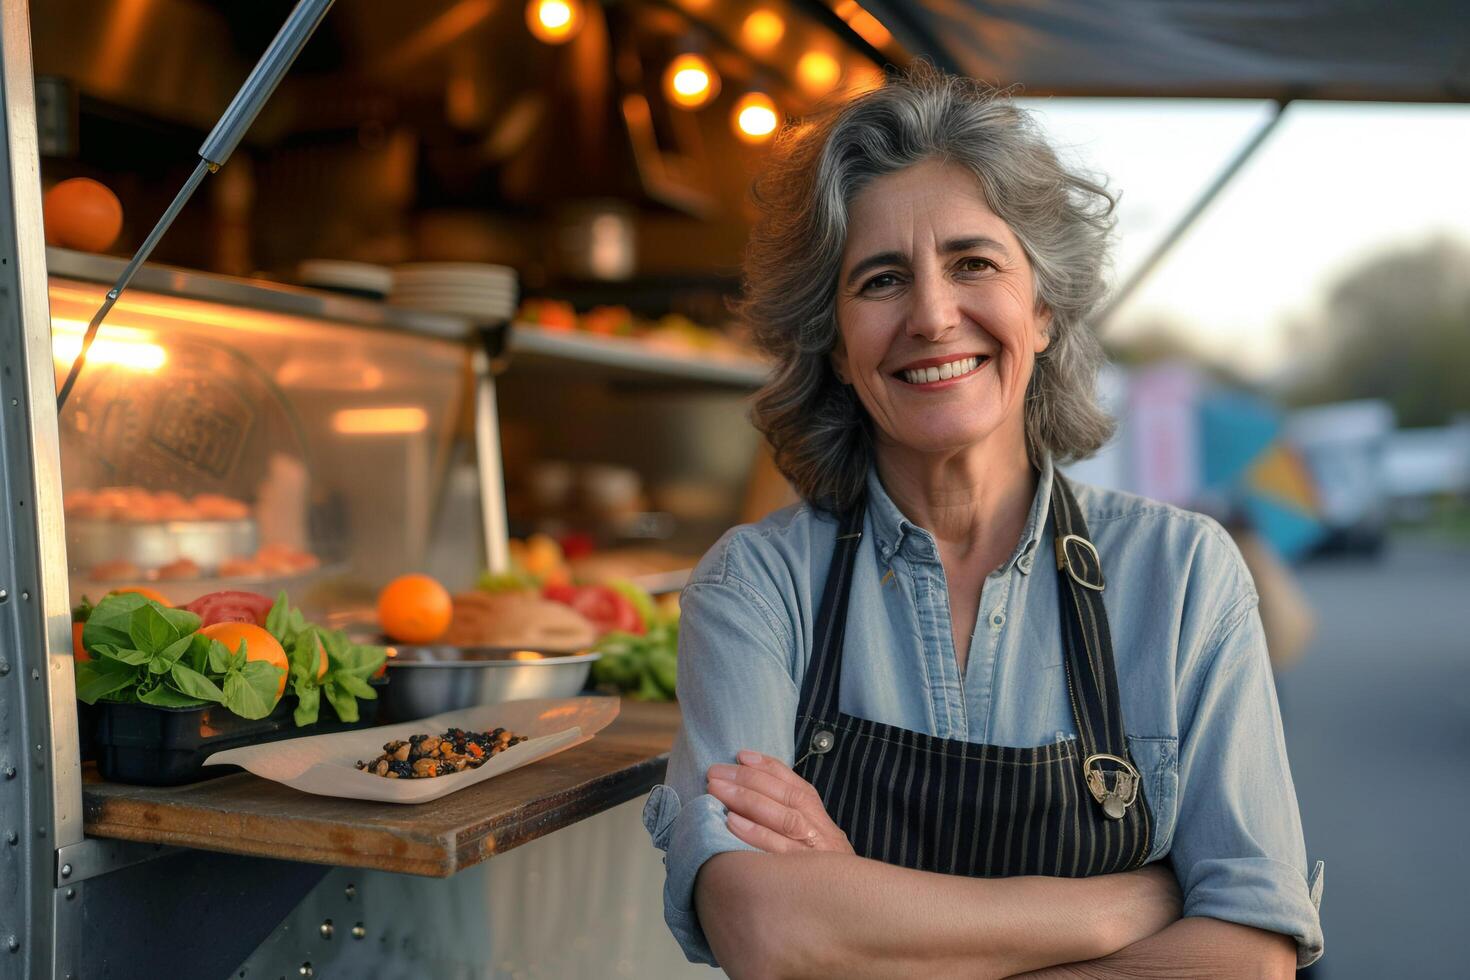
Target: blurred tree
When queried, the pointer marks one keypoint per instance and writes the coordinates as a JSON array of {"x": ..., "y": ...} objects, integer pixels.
[{"x": 1397, "y": 326}]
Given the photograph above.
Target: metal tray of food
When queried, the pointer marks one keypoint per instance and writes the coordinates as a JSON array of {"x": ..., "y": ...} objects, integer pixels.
[{"x": 427, "y": 680}]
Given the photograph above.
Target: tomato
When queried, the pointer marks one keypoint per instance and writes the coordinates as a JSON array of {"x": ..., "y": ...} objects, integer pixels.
[
  {"x": 77, "y": 650},
  {"x": 414, "y": 609},
  {"x": 605, "y": 608},
  {"x": 259, "y": 645}
]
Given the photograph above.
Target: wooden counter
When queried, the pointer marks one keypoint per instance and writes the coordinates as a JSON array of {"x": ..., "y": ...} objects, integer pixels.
[{"x": 244, "y": 814}]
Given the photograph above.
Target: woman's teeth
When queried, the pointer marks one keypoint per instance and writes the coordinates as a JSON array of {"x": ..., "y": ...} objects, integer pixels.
[{"x": 941, "y": 372}]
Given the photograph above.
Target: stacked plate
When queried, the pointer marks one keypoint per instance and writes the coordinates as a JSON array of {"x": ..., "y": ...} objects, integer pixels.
[
  {"x": 470, "y": 289},
  {"x": 356, "y": 278}
]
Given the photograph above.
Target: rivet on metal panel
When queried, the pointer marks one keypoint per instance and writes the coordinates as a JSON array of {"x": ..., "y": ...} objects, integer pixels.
[
  {"x": 12, "y": 838},
  {"x": 9, "y": 772},
  {"x": 350, "y": 891},
  {"x": 14, "y": 944},
  {"x": 40, "y": 831},
  {"x": 4, "y": 664},
  {"x": 71, "y": 893},
  {"x": 359, "y": 931},
  {"x": 35, "y": 675},
  {"x": 25, "y": 595},
  {"x": 4, "y": 595},
  {"x": 326, "y": 929},
  {"x": 66, "y": 871},
  {"x": 306, "y": 970}
]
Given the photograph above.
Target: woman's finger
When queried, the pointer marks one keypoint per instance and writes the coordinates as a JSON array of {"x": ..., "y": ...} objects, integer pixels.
[
  {"x": 765, "y": 783},
  {"x": 761, "y": 809},
  {"x": 757, "y": 836},
  {"x": 773, "y": 766}
]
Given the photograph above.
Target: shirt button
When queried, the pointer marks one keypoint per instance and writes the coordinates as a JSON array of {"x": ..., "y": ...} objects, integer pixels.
[
  {"x": 997, "y": 619},
  {"x": 1025, "y": 563}
]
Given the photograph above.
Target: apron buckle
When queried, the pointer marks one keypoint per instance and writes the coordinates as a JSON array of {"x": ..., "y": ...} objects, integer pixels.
[
  {"x": 821, "y": 743},
  {"x": 1115, "y": 799},
  {"x": 1065, "y": 562}
]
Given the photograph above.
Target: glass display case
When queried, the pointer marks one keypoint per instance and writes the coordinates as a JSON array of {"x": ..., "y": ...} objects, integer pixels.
[{"x": 271, "y": 438}]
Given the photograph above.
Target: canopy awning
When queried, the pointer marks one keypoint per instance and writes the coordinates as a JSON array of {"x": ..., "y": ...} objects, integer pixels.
[{"x": 1377, "y": 50}]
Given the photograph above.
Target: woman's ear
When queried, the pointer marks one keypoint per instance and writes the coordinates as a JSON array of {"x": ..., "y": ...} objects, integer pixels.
[{"x": 1043, "y": 327}]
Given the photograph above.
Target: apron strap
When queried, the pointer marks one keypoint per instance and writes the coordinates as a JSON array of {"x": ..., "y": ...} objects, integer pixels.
[
  {"x": 1092, "y": 675},
  {"x": 819, "y": 688}
]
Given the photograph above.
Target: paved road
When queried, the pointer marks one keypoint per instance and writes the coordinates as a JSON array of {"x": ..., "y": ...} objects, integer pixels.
[{"x": 1378, "y": 726}]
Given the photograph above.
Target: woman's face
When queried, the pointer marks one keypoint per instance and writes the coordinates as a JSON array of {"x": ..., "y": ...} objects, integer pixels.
[{"x": 938, "y": 323}]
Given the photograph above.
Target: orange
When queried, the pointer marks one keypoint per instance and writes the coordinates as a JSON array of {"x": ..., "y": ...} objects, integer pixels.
[
  {"x": 83, "y": 214},
  {"x": 145, "y": 592},
  {"x": 77, "y": 650},
  {"x": 259, "y": 645},
  {"x": 414, "y": 609}
]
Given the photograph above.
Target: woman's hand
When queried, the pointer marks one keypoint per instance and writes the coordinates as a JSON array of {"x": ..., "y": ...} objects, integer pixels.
[{"x": 773, "y": 808}]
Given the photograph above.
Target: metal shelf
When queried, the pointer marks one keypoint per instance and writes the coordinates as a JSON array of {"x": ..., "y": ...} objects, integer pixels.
[
  {"x": 614, "y": 357},
  {"x": 632, "y": 358}
]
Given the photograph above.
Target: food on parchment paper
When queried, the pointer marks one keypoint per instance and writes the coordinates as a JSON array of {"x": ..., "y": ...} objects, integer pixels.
[
  {"x": 517, "y": 619},
  {"x": 426, "y": 756}
]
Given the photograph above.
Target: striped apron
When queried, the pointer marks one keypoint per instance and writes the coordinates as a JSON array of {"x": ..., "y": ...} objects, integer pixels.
[{"x": 1069, "y": 809}]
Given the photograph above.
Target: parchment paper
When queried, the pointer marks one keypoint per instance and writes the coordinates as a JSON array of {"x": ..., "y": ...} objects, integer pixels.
[{"x": 325, "y": 764}]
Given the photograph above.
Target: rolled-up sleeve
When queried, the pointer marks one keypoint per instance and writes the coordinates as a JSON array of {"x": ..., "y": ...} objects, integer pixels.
[
  {"x": 1238, "y": 847},
  {"x": 735, "y": 692}
]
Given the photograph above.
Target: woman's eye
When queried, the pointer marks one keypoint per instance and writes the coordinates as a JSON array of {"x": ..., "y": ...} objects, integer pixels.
[
  {"x": 883, "y": 280},
  {"x": 973, "y": 264}
]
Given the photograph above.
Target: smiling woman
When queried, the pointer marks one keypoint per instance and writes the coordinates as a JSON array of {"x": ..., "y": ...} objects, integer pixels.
[{"x": 908, "y": 745}]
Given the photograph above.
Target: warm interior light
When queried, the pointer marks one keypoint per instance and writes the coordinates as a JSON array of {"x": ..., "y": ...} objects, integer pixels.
[
  {"x": 389, "y": 420},
  {"x": 868, "y": 27},
  {"x": 554, "y": 21},
  {"x": 818, "y": 72},
  {"x": 122, "y": 346},
  {"x": 690, "y": 81},
  {"x": 763, "y": 29},
  {"x": 755, "y": 117},
  {"x": 865, "y": 78}
]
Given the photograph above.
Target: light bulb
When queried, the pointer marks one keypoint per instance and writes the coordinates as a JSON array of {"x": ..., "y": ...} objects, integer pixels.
[
  {"x": 690, "y": 81},
  {"x": 818, "y": 72},
  {"x": 554, "y": 21},
  {"x": 763, "y": 29},
  {"x": 755, "y": 117}
]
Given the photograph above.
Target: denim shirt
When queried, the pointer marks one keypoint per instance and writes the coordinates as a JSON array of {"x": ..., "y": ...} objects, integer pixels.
[{"x": 1200, "y": 707}]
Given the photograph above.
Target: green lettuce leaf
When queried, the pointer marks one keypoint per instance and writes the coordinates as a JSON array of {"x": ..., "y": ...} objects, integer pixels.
[{"x": 308, "y": 706}]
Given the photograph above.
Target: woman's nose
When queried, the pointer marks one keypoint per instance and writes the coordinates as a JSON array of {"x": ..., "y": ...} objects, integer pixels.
[{"x": 934, "y": 309}]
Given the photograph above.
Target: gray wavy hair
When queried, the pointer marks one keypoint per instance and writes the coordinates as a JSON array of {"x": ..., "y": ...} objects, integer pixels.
[{"x": 818, "y": 430}]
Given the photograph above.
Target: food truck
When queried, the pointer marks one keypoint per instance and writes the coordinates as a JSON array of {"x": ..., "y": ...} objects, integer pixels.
[{"x": 456, "y": 305}]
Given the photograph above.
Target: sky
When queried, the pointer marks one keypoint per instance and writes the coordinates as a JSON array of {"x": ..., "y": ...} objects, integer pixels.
[{"x": 1332, "y": 185}]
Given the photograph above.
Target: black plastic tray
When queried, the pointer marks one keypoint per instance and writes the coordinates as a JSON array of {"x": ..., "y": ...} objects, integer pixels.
[{"x": 150, "y": 746}]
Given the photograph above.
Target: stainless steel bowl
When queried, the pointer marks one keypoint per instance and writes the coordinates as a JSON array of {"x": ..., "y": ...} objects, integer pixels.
[{"x": 425, "y": 680}]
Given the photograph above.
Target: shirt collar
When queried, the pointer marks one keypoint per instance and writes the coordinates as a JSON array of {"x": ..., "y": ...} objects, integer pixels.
[{"x": 889, "y": 526}]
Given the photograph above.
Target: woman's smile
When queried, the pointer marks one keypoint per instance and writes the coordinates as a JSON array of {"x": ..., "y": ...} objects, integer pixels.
[{"x": 939, "y": 373}]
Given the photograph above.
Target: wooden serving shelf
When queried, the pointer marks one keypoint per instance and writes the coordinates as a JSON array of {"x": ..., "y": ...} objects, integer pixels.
[{"x": 244, "y": 814}]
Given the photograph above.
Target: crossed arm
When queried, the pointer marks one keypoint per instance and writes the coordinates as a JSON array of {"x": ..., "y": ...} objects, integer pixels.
[{"x": 808, "y": 907}]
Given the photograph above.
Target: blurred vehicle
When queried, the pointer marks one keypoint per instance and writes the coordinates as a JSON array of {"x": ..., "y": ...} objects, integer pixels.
[
  {"x": 1345, "y": 446},
  {"x": 1422, "y": 466}
]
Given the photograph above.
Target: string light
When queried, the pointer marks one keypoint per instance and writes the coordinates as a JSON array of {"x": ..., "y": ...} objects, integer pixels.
[
  {"x": 690, "y": 81},
  {"x": 818, "y": 72},
  {"x": 763, "y": 29},
  {"x": 554, "y": 21},
  {"x": 755, "y": 117}
]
